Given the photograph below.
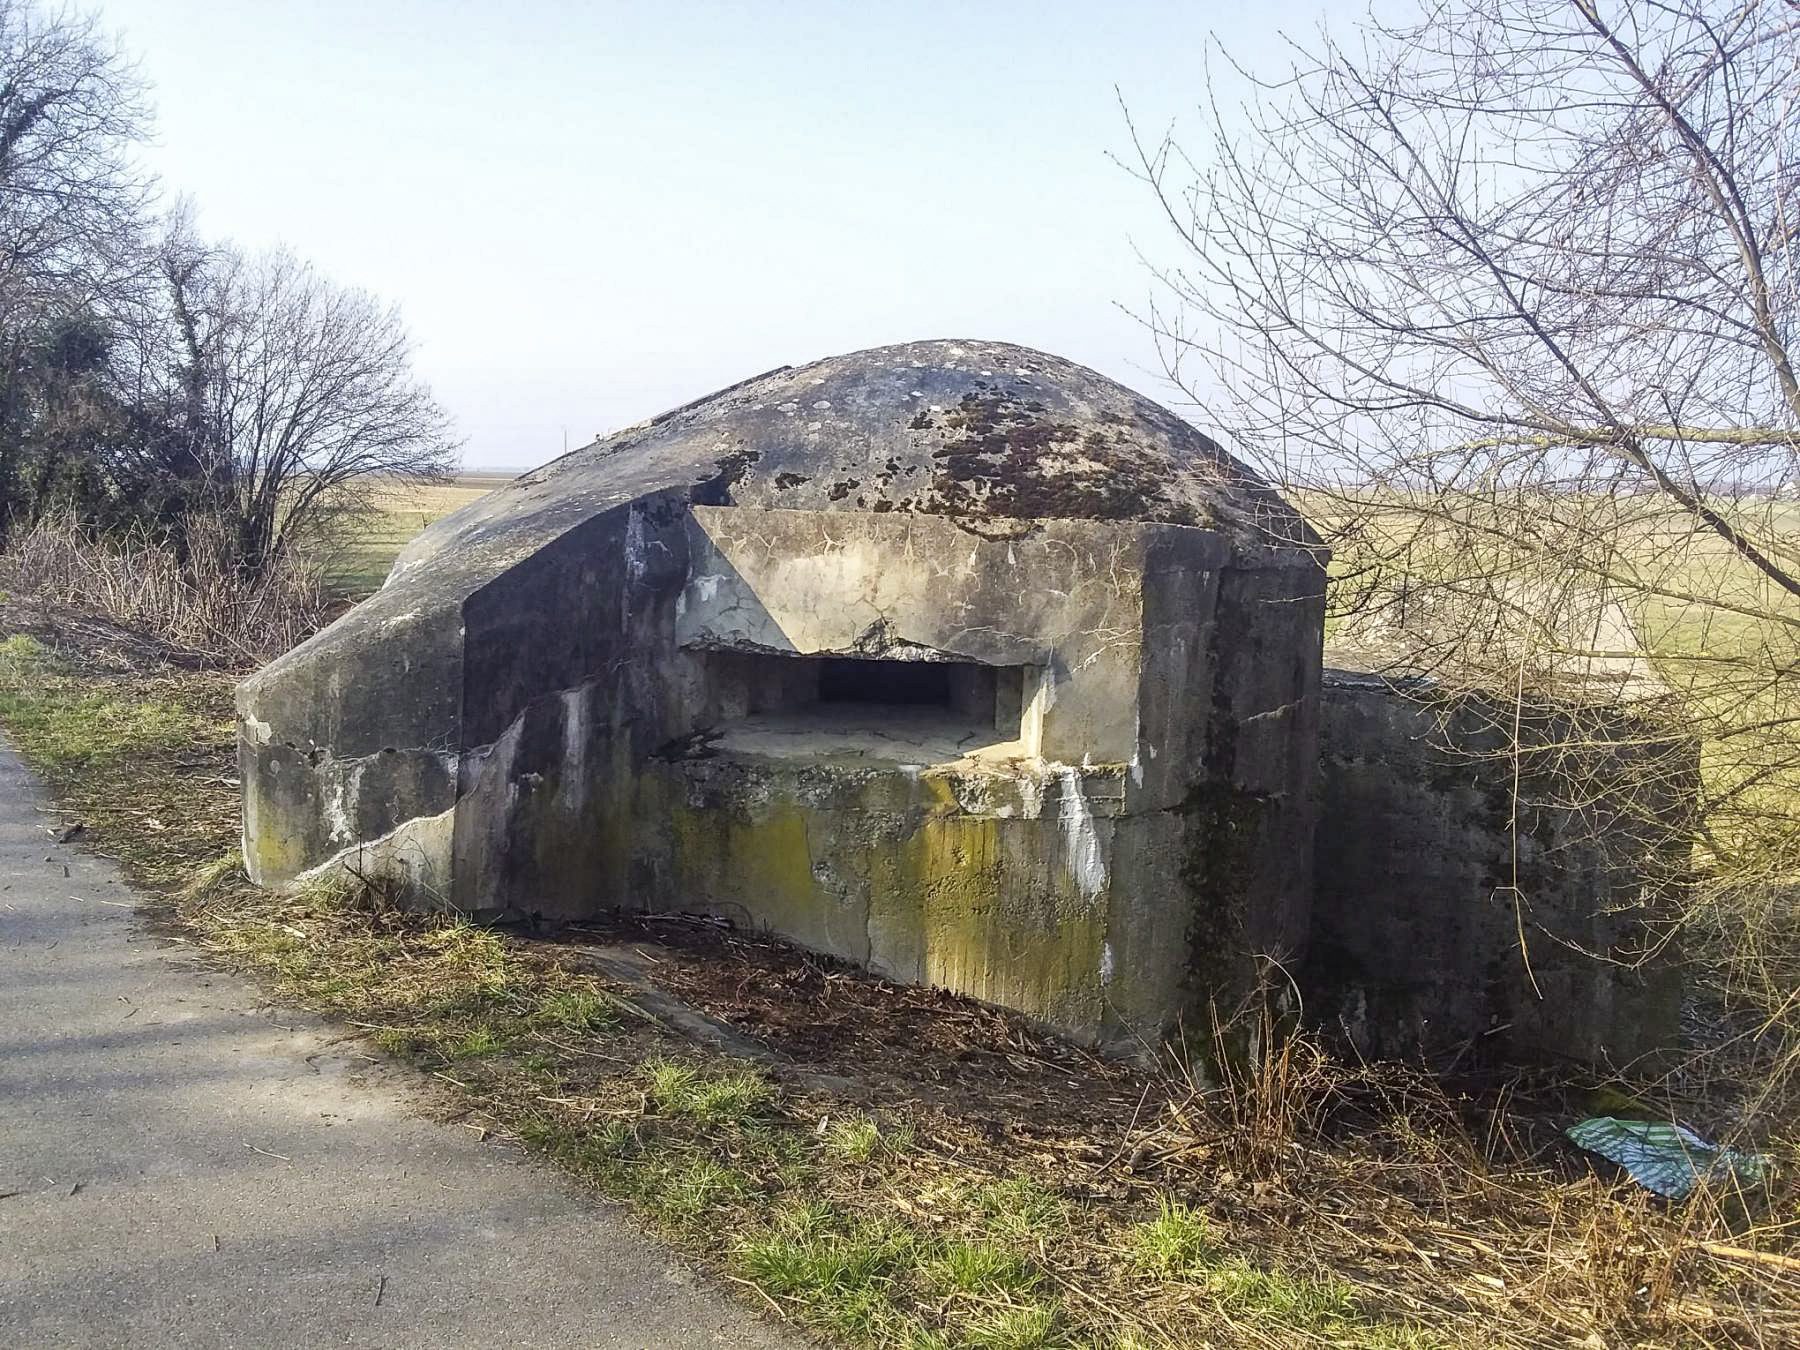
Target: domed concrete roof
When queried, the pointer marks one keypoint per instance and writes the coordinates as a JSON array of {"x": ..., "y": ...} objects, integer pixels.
[
  {"x": 979, "y": 431},
  {"x": 985, "y": 434}
]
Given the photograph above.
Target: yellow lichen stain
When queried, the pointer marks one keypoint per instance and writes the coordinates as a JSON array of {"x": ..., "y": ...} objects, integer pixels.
[
  {"x": 759, "y": 869},
  {"x": 998, "y": 925},
  {"x": 610, "y": 824},
  {"x": 274, "y": 856},
  {"x": 941, "y": 796},
  {"x": 896, "y": 876}
]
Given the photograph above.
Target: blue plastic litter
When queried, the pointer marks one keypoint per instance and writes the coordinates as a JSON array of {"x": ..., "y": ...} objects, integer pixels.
[{"x": 1666, "y": 1158}]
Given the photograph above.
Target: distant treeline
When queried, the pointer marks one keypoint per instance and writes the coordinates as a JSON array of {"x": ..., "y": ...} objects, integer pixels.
[{"x": 149, "y": 377}]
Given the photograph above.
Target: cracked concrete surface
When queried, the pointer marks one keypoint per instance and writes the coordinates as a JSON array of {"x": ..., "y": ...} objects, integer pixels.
[{"x": 183, "y": 1165}]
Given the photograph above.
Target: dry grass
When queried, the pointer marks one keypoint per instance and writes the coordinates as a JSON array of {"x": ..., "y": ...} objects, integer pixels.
[
  {"x": 200, "y": 603},
  {"x": 980, "y": 1185}
]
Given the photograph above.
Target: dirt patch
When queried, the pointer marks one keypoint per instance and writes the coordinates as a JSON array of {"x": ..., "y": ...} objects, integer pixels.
[
  {"x": 97, "y": 644},
  {"x": 894, "y": 1044}
]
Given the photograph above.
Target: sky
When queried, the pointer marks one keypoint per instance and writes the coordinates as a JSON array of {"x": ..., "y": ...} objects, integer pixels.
[{"x": 589, "y": 213}]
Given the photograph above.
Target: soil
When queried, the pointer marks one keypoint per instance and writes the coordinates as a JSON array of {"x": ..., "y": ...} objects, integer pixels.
[
  {"x": 986, "y": 1069},
  {"x": 98, "y": 645}
]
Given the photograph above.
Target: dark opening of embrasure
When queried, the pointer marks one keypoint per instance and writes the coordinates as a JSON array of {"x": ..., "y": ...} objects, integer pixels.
[
  {"x": 913, "y": 683},
  {"x": 871, "y": 692}
]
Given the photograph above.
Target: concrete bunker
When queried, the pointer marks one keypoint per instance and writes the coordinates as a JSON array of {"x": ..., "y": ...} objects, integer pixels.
[
  {"x": 955, "y": 660},
  {"x": 1531, "y": 852}
]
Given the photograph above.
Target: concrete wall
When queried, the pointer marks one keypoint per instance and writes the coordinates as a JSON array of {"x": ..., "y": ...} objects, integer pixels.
[
  {"x": 1446, "y": 924},
  {"x": 1126, "y": 865},
  {"x": 588, "y": 729},
  {"x": 1122, "y": 858}
]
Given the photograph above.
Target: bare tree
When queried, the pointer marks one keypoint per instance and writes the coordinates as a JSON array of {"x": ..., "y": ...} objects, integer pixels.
[
  {"x": 288, "y": 394},
  {"x": 72, "y": 205},
  {"x": 1507, "y": 295}
]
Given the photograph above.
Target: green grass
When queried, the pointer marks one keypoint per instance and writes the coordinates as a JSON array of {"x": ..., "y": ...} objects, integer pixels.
[
  {"x": 1177, "y": 1242},
  {"x": 823, "y": 1265},
  {"x": 682, "y": 1190},
  {"x": 69, "y": 728},
  {"x": 476, "y": 1044},
  {"x": 575, "y": 1012},
  {"x": 359, "y": 551},
  {"x": 861, "y": 1138},
  {"x": 679, "y": 1089},
  {"x": 1307, "y": 1304},
  {"x": 841, "y": 1284},
  {"x": 980, "y": 1268},
  {"x": 1036, "y": 1326},
  {"x": 1180, "y": 1244},
  {"x": 1020, "y": 1209},
  {"x": 864, "y": 1279}
]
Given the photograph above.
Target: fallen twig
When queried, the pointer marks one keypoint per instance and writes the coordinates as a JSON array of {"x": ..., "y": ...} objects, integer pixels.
[{"x": 1731, "y": 1253}]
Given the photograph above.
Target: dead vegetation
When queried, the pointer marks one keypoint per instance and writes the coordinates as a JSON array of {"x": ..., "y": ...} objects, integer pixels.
[
  {"x": 200, "y": 601},
  {"x": 892, "y": 1166},
  {"x": 1526, "y": 359}
]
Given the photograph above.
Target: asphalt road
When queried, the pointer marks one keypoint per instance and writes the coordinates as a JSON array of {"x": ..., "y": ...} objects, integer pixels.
[{"x": 183, "y": 1165}]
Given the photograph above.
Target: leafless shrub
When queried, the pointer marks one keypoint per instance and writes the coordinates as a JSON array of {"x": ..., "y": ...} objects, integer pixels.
[
  {"x": 205, "y": 601},
  {"x": 293, "y": 394},
  {"x": 1505, "y": 297}
]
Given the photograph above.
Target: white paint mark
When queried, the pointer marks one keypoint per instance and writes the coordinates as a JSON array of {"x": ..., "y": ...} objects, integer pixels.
[
  {"x": 1106, "y": 963},
  {"x": 1031, "y": 796},
  {"x": 1081, "y": 839},
  {"x": 260, "y": 732},
  {"x": 340, "y": 801},
  {"x": 636, "y": 564},
  {"x": 337, "y": 820}
]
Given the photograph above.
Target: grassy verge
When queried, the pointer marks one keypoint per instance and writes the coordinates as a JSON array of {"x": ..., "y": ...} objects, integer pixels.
[{"x": 1310, "y": 1206}]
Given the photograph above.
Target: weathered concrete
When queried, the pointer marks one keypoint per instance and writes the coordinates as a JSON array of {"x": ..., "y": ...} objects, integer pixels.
[
  {"x": 621, "y": 682},
  {"x": 964, "y": 663},
  {"x": 182, "y": 1165},
  {"x": 1474, "y": 902}
]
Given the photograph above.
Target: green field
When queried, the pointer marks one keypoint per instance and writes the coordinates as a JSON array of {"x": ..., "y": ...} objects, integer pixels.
[{"x": 357, "y": 563}]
